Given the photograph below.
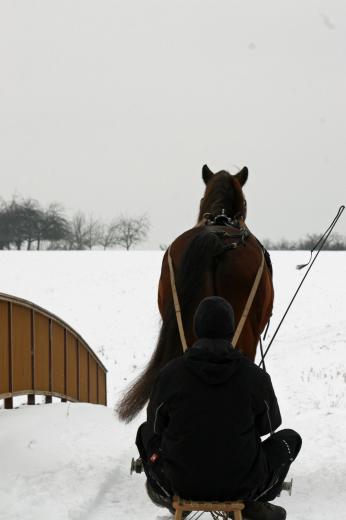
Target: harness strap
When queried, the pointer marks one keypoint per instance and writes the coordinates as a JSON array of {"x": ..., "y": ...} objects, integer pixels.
[
  {"x": 176, "y": 302},
  {"x": 248, "y": 303},
  {"x": 245, "y": 311}
]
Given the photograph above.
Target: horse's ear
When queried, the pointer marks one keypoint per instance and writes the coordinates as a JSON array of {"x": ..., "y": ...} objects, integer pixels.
[
  {"x": 206, "y": 174},
  {"x": 242, "y": 175}
]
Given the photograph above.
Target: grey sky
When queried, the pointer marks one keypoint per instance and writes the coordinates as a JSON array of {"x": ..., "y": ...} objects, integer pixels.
[{"x": 114, "y": 106}]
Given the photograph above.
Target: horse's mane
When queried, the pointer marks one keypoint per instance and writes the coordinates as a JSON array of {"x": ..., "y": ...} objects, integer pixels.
[{"x": 223, "y": 192}]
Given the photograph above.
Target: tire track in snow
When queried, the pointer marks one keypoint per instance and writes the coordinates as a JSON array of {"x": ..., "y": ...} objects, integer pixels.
[{"x": 100, "y": 499}]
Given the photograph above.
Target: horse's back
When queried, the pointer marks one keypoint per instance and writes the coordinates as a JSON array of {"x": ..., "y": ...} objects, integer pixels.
[
  {"x": 176, "y": 250},
  {"x": 234, "y": 278},
  {"x": 230, "y": 274}
]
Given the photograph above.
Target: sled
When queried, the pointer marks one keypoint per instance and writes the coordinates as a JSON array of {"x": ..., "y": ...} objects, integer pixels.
[{"x": 217, "y": 509}]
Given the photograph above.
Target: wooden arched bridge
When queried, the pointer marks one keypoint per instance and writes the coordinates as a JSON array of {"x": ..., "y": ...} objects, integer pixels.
[{"x": 41, "y": 355}]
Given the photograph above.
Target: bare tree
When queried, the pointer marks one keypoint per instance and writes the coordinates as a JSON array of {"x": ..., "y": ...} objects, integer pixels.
[
  {"x": 5, "y": 233},
  {"x": 93, "y": 232},
  {"x": 85, "y": 232},
  {"x": 108, "y": 235},
  {"x": 131, "y": 231},
  {"x": 78, "y": 232},
  {"x": 335, "y": 242},
  {"x": 24, "y": 223},
  {"x": 51, "y": 225},
  {"x": 31, "y": 216},
  {"x": 18, "y": 219}
]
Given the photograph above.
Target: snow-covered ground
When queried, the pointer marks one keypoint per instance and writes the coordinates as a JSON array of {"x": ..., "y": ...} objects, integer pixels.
[{"x": 71, "y": 461}]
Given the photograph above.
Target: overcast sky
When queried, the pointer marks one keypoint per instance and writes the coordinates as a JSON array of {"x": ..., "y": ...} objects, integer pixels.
[{"x": 113, "y": 107}]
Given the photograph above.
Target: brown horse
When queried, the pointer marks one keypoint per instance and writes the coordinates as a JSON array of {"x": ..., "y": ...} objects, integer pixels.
[{"x": 221, "y": 259}]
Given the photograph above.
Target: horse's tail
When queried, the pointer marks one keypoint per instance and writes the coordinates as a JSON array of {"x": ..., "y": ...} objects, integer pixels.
[{"x": 191, "y": 283}]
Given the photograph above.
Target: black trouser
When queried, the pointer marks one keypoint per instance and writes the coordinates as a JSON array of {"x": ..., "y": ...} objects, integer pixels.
[{"x": 281, "y": 450}]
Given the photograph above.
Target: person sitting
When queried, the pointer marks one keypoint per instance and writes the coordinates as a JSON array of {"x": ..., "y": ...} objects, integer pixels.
[{"x": 206, "y": 415}]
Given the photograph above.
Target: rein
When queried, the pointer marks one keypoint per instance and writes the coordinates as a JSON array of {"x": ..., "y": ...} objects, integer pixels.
[
  {"x": 176, "y": 302},
  {"x": 245, "y": 313}
]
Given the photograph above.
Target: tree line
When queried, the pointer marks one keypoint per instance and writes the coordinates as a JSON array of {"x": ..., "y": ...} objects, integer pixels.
[
  {"x": 25, "y": 224},
  {"x": 335, "y": 242}
]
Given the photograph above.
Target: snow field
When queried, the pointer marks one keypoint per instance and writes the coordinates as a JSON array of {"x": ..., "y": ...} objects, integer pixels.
[{"x": 71, "y": 461}]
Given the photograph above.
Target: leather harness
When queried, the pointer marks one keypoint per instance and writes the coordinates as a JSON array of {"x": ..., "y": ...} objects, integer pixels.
[{"x": 235, "y": 233}]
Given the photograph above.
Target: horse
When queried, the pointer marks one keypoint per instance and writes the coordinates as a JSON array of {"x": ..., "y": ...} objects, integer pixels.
[{"x": 218, "y": 256}]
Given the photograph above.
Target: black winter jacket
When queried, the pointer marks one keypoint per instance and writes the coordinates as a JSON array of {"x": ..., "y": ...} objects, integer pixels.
[{"x": 206, "y": 414}]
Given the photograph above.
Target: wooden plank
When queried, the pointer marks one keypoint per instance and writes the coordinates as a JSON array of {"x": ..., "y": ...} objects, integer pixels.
[
  {"x": 10, "y": 346},
  {"x": 92, "y": 380},
  {"x": 78, "y": 378},
  {"x": 8, "y": 403},
  {"x": 72, "y": 366},
  {"x": 88, "y": 357},
  {"x": 58, "y": 359},
  {"x": 189, "y": 505},
  {"x": 31, "y": 399},
  {"x": 83, "y": 373},
  {"x": 65, "y": 361},
  {"x": 5, "y": 367},
  {"x": 41, "y": 326},
  {"x": 33, "y": 378},
  {"x": 102, "y": 390},
  {"x": 21, "y": 345},
  {"x": 50, "y": 354}
]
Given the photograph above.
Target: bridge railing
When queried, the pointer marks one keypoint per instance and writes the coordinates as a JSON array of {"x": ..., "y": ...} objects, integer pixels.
[{"x": 41, "y": 354}]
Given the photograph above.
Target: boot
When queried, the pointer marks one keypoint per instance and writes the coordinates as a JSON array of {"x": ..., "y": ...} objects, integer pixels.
[
  {"x": 159, "y": 500},
  {"x": 263, "y": 511},
  {"x": 162, "y": 501}
]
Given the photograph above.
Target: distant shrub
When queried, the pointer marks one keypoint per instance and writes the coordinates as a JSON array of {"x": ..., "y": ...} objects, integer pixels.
[{"x": 335, "y": 242}]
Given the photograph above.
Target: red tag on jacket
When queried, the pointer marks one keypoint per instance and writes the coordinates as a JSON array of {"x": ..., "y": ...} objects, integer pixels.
[{"x": 154, "y": 458}]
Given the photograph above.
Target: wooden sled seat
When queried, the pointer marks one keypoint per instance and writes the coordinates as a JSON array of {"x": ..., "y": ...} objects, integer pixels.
[{"x": 180, "y": 505}]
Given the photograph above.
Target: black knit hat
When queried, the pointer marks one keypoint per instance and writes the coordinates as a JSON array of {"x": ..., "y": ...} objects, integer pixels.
[{"x": 214, "y": 318}]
